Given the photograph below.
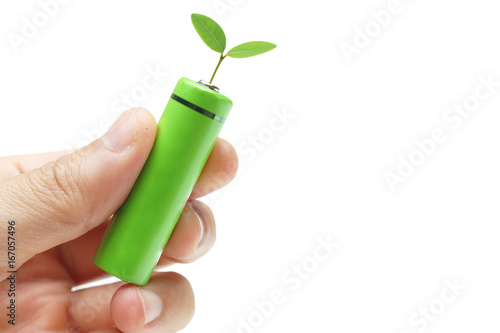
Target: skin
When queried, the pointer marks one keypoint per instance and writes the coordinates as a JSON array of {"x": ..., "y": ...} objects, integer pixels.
[{"x": 62, "y": 203}]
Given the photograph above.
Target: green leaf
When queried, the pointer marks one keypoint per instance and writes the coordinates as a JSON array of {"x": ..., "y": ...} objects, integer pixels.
[
  {"x": 210, "y": 32},
  {"x": 250, "y": 49}
]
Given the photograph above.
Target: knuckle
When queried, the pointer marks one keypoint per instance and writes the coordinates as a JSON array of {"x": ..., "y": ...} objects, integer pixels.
[
  {"x": 57, "y": 184},
  {"x": 62, "y": 179}
]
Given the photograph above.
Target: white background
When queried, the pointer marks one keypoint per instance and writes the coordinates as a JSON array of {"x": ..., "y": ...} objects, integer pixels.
[{"x": 322, "y": 173}]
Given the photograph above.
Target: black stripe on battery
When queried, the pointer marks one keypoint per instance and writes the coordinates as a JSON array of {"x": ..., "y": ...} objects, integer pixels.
[{"x": 198, "y": 109}]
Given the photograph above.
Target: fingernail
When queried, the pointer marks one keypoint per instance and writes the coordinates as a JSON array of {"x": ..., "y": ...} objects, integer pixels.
[
  {"x": 206, "y": 236},
  {"x": 122, "y": 134},
  {"x": 191, "y": 205},
  {"x": 152, "y": 305}
]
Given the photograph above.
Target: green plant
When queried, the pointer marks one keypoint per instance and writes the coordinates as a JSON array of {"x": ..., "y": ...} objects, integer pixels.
[{"x": 213, "y": 35}]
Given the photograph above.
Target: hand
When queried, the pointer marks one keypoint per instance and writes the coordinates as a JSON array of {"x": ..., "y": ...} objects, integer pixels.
[{"x": 61, "y": 203}]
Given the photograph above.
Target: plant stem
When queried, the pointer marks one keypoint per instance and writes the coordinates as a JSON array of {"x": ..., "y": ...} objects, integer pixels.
[{"x": 216, "y": 68}]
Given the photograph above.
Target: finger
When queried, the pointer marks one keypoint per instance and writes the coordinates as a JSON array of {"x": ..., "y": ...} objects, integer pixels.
[
  {"x": 219, "y": 170},
  {"x": 107, "y": 330},
  {"x": 192, "y": 237},
  {"x": 66, "y": 198},
  {"x": 90, "y": 308},
  {"x": 12, "y": 166},
  {"x": 165, "y": 304}
]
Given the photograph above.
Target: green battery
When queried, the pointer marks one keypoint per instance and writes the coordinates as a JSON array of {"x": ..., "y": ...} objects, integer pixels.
[{"x": 186, "y": 134}]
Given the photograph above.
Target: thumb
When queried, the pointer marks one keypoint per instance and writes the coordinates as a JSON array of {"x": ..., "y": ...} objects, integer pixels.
[{"x": 66, "y": 198}]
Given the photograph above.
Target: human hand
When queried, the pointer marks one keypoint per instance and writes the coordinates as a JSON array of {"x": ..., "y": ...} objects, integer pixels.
[{"x": 61, "y": 203}]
